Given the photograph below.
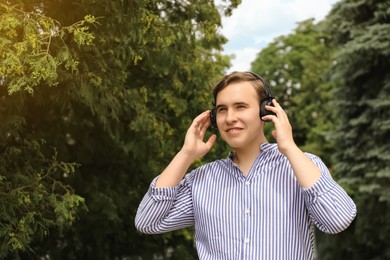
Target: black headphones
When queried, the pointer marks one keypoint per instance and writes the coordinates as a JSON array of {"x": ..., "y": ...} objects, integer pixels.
[{"x": 263, "y": 112}]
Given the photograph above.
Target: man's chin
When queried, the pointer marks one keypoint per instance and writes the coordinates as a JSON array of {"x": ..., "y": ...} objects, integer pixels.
[{"x": 234, "y": 145}]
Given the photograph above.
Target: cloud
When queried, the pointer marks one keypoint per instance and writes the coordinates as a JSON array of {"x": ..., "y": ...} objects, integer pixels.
[
  {"x": 242, "y": 58},
  {"x": 255, "y": 23},
  {"x": 258, "y": 17},
  {"x": 304, "y": 9}
]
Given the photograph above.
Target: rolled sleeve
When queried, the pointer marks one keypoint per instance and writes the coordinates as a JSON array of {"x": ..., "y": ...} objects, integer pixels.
[
  {"x": 165, "y": 209},
  {"x": 323, "y": 185},
  {"x": 331, "y": 209},
  {"x": 161, "y": 194}
]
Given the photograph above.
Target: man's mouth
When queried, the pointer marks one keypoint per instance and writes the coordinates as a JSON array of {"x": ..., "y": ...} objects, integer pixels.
[{"x": 233, "y": 130}]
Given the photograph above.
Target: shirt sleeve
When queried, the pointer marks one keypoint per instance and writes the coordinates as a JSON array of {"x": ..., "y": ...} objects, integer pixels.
[
  {"x": 331, "y": 209},
  {"x": 165, "y": 209}
]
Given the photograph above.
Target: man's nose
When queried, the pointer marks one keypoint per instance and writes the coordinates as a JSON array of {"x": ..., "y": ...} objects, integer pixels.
[{"x": 231, "y": 116}]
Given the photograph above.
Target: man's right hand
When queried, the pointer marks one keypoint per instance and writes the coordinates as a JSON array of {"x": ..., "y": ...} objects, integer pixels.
[
  {"x": 194, "y": 145},
  {"x": 194, "y": 148}
]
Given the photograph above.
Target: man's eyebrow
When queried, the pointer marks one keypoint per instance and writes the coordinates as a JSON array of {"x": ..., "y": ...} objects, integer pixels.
[
  {"x": 240, "y": 103},
  {"x": 234, "y": 104},
  {"x": 219, "y": 106}
]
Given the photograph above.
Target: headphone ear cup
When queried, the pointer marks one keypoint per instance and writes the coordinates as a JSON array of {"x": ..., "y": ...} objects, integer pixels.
[
  {"x": 265, "y": 112},
  {"x": 213, "y": 118}
]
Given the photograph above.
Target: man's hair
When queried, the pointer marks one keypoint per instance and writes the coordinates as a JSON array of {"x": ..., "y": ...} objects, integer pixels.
[{"x": 238, "y": 76}]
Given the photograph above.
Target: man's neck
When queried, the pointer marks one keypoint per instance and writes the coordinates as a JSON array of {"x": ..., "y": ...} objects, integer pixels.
[{"x": 245, "y": 158}]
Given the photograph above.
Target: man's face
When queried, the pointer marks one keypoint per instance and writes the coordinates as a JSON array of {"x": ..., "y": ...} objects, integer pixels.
[{"x": 238, "y": 120}]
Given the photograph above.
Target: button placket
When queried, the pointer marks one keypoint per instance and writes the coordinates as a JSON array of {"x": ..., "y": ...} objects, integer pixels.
[{"x": 247, "y": 210}]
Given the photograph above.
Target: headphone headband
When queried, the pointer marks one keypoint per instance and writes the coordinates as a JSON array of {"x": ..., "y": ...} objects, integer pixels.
[{"x": 267, "y": 90}]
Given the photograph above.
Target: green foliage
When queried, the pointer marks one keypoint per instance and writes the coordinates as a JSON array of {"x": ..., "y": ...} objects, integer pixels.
[
  {"x": 35, "y": 197},
  {"x": 362, "y": 156},
  {"x": 118, "y": 99},
  {"x": 27, "y": 40}
]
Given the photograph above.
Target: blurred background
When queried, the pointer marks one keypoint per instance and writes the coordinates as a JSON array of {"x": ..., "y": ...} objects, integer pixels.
[{"x": 96, "y": 96}]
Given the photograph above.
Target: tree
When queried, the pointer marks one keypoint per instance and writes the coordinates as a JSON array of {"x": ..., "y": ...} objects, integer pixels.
[
  {"x": 120, "y": 113},
  {"x": 34, "y": 195},
  {"x": 361, "y": 34}
]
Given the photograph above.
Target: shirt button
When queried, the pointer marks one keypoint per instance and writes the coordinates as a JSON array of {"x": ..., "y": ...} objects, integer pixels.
[
  {"x": 247, "y": 183},
  {"x": 247, "y": 241},
  {"x": 247, "y": 211}
]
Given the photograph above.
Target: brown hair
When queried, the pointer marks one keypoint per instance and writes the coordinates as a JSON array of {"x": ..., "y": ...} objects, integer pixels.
[{"x": 238, "y": 76}]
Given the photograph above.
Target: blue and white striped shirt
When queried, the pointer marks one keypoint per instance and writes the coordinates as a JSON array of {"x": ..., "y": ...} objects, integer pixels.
[{"x": 265, "y": 215}]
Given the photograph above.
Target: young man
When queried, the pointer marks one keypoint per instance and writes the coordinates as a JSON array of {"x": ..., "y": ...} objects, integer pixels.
[{"x": 259, "y": 203}]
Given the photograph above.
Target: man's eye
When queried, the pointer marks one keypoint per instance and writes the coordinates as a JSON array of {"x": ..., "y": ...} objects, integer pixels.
[{"x": 221, "y": 109}]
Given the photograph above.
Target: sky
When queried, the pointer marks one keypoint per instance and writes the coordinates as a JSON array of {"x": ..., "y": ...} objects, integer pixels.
[{"x": 256, "y": 23}]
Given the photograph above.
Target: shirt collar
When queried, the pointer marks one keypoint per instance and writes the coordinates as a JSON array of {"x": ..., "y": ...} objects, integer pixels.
[{"x": 264, "y": 147}]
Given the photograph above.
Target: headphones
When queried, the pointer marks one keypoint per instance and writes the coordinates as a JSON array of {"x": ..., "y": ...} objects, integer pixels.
[{"x": 266, "y": 102}]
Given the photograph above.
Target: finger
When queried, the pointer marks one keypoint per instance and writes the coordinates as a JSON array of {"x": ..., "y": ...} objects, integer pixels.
[
  {"x": 276, "y": 103},
  {"x": 198, "y": 122},
  {"x": 272, "y": 118},
  {"x": 201, "y": 117},
  {"x": 204, "y": 127},
  {"x": 204, "y": 119},
  {"x": 211, "y": 141},
  {"x": 277, "y": 109},
  {"x": 275, "y": 106},
  {"x": 273, "y": 133}
]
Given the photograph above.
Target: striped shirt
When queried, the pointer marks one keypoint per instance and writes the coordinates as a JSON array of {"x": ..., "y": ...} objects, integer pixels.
[{"x": 264, "y": 215}]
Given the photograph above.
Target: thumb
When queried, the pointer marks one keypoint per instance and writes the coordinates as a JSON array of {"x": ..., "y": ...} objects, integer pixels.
[{"x": 211, "y": 141}]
